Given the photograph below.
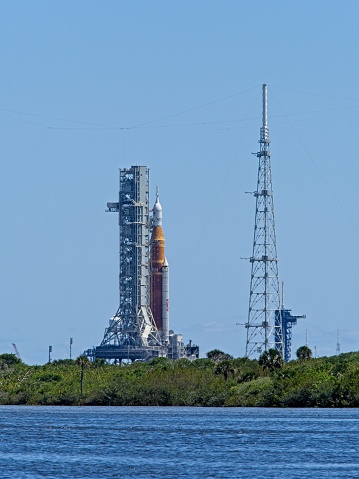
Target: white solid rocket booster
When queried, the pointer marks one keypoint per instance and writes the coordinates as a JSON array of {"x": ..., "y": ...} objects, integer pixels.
[{"x": 165, "y": 301}]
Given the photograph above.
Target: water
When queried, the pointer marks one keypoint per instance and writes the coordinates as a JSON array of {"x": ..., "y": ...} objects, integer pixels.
[{"x": 153, "y": 442}]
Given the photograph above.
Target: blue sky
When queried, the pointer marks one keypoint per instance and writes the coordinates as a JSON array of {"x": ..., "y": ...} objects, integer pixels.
[{"x": 88, "y": 87}]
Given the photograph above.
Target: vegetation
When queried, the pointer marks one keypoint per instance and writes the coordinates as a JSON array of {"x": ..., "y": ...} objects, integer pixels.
[
  {"x": 218, "y": 380},
  {"x": 304, "y": 353}
]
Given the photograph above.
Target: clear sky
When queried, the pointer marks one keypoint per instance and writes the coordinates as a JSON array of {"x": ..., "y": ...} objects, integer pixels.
[{"x": 88, "y": 87}]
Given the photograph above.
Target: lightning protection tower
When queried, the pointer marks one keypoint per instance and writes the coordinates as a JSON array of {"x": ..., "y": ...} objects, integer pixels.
[
  {"x": 338, "y": 343},
  {"x": 132, "y": 333},
  {"x": 264, "y": 330}
]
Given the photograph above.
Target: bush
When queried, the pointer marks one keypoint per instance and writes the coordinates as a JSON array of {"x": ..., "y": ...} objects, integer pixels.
[{"x": 9, "y": 359}]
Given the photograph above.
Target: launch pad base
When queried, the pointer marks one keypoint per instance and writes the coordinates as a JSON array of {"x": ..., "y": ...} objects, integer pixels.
[{"x": 113, "y": 353}]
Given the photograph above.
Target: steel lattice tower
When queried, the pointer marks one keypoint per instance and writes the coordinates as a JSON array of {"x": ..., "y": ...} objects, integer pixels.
[
  {"x": 264, "y": 329},
  {"x": 132, "y": 333}
]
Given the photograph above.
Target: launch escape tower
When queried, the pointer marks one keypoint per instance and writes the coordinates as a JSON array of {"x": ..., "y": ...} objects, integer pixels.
[
  {"x": 269, "y": 324},
  {"x": 264, "y": 329},
  {"x": 132, "y": 333}
]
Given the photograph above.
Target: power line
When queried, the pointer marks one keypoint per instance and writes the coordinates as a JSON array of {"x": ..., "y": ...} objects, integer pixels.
[
  {"x": 195, "y": 107},
  {"x": 32, "y": 151},
  {"x": 315, "y": 94},
  {"x": 310, "y": 156},
  {"x": 113, "y": 127},
  {"x": 143, "y": 125}
]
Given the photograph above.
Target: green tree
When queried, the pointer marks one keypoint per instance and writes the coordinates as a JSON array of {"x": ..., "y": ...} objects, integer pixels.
[
  {"x": 304, "y": 353},
  {"x": 271, "y": 360},
  {"x": 63, "y": 362},
  {"x": 10, "y": 359},
  {"x": 83, "y": 361},
  {"x": 99, "y": 362},
  {"x": 218, "y": 355},
  {"x": 160, "y": 362},
  {"x": 226, "y": 368}
]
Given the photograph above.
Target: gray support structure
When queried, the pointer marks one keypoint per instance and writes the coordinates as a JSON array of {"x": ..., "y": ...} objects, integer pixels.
[
  {"x": 132, "y": 333},
  {"x": 263, "y": 331}
]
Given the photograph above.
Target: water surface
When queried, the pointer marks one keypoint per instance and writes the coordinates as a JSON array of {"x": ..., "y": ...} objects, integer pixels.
[{"x": 172, "y": 442}]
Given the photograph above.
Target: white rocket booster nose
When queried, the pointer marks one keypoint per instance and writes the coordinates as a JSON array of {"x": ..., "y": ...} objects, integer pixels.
[{"x": 157, "y": 211}]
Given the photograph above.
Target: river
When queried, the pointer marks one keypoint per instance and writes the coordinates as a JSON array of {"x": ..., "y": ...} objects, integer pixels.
[{"x": 177, "y": 442}]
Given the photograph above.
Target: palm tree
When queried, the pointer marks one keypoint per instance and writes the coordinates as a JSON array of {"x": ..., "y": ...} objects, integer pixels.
[
  {"x": 83, "y": 361},
  {"x": 225, "y": 368},
  {"x": 271, "y": 360},
  {"x": 304, "y": 353}
]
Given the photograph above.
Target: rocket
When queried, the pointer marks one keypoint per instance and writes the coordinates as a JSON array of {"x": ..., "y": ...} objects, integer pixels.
[{"x": 159, "y": 273}]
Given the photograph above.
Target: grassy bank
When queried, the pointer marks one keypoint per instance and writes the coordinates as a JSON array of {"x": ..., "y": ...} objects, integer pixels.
[{"x": 220, "y": 381}]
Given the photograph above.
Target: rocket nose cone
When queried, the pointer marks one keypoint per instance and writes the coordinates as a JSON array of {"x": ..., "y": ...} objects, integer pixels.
[
  {"x": 157, "y": 211},
  {"x": 157, "y": 207}
]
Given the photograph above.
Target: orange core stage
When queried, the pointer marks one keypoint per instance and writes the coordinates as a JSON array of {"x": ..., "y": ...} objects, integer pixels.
[{"x": 157, "y": 260}]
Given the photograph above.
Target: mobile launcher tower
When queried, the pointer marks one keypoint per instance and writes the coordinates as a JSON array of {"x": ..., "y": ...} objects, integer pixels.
[{"x": 140, "y": 328}]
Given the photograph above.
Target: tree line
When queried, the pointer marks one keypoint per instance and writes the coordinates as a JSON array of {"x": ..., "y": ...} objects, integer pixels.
[{"x": 217, "y": 380}]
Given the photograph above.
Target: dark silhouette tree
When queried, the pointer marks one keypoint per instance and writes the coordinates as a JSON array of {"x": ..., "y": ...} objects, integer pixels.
[
  {"x": 226, "y": 368},
  {"x": 218, "y": 355},
  {"x": 9, "y": 359},
  {"x": 84, "y": 362},
  {"x": 271, "y": 360},
  {"x": 304, "y": 353}
]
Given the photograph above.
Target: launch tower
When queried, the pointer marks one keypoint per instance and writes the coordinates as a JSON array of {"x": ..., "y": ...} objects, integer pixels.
[
  {"x": 140, "y": 328},
  {"x": 264, "y": 329},
  {"x": 132, "y": 333}
]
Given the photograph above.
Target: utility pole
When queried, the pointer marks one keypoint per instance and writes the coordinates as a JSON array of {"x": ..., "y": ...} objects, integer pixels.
[
  {"x": 71, "y": 341},
  {"x": 50, "y": 351},
  {"x": 264, "y": 330}
]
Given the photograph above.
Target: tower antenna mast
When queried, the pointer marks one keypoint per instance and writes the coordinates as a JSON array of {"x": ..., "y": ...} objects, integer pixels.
[
  {"x": 338, "y": 342},
  {"x": 264, "y": 329}
]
